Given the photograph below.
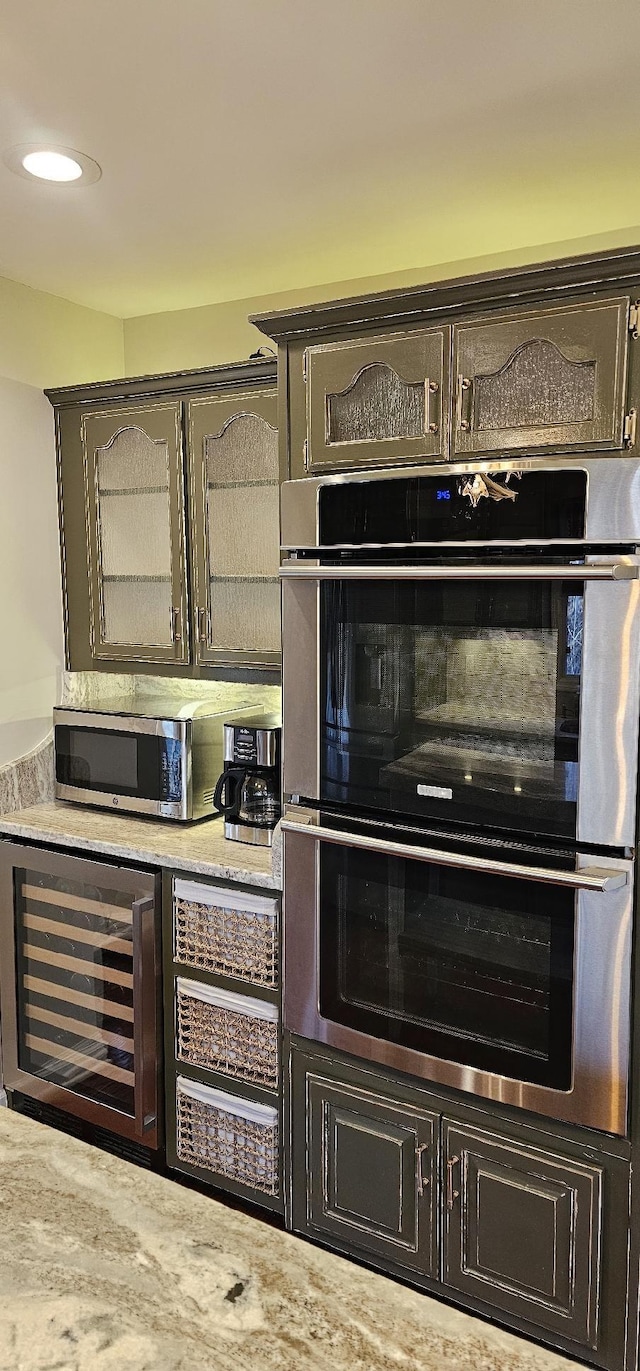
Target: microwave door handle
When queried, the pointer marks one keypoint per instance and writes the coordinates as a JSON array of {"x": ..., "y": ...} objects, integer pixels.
[
  {"x": 589, "y": 571},
  {"x": 596, "y": 878}
]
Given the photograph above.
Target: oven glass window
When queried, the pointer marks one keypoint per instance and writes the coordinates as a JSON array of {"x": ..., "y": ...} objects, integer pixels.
[
  {"x": 454, "y": 699},
  {"x": 465, "y": 966}
]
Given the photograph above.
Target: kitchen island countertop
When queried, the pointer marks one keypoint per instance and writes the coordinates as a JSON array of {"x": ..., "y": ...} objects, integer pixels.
[{"x": 197, "y": 847}]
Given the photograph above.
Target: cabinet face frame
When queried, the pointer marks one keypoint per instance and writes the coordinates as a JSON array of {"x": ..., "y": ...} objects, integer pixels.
[
  {"x": 573, "y": 1193},
  {"x": 147, "y": 1125},
  {"x": 226, "y": 407},
  {"x": 420, "y": 357},
  {"x": 159, "y": 423},
  {"x": 487, "y": 347}
]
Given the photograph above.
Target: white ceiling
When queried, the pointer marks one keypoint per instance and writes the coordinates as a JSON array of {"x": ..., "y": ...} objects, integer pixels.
[{"x": 254, "y": 146}]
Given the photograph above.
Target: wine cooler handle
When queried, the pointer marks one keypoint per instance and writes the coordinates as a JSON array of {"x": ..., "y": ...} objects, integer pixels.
[
  {"x": 598, "y": 878},
  {"x": 145, "y": 1052}
]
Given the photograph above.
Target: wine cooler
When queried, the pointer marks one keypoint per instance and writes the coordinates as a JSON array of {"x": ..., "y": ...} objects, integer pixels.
[{"x": 79, "y": 986}]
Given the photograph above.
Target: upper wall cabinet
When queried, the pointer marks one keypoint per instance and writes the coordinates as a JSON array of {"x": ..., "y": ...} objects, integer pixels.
[
  {"x": 377, "y": 400},
  {"x": 169, "y": 521},
  {"x": 234, "y": 484},
  {"x": 135, "y": 527},
  {"x": 552, "y": 378},
  {"x": 544, "y": 360}
]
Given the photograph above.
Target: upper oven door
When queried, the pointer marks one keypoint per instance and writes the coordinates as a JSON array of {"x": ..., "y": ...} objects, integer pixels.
[
  {"x": 477, "y": 967},
  {"x": 132, "y": 763},
  {"x": 504, "y": 695}
]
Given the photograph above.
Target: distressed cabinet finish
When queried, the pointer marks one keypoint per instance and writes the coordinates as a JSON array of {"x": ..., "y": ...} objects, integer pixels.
[
  {"x": 134, "y": 481},
  {"x": 511, "y": 1217},
  {"x": 523, "y": 1230},
  {"x": 234, "y": 482},
  {"x": 551, "y": 378},
  {"x": 373, "y": 1167},
  {"x": 169, "y": 521},
  {"x": 377, "y": 400},
  {"x": 543, "y": 359}
]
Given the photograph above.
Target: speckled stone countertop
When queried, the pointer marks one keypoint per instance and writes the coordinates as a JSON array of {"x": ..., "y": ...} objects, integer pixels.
[
  {"x": 107, "y": 1267},
  {"x": 198, "y": 847}
]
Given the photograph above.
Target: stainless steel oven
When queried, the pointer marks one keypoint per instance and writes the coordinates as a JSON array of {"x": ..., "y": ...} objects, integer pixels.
[
  {"x": 487, "y": 966},
  {"x": 461, "y": 690}
]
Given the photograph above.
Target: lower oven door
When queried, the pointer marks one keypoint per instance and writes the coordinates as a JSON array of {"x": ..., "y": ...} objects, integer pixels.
[{"x": 509, "y": 979}]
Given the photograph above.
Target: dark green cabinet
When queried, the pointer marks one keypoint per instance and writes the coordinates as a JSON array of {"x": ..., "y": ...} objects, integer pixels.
[
  {"x": 377, "y": 400},
  {"x": 541, "y": 360},
  {"x": 506, "y": 1215},
  {"x": 523, "y": 1230},
  {"x": 373, "y": 1177},
  {"x": 550, "y": 378},
  {"x": 169, "y": 518}
]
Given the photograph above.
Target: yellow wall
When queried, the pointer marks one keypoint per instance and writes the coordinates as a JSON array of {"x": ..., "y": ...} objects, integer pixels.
[
  {"x": 215, "y": 333},
  {"x": 46, "y": 341}
]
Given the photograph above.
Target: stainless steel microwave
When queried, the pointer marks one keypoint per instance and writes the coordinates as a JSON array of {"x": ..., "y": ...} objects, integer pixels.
[{"x": 158, "y": 757}]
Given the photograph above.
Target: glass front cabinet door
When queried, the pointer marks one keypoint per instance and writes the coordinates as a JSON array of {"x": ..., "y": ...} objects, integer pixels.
[
  {"x": 134, "y": 488},
  {"x": 550, "y": 378},
  {"x": 377, "y": 401},
  {"x": 233, "y": 461}
]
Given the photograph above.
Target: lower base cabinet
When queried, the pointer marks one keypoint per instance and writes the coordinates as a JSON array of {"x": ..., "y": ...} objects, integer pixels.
[
  {"x": 506, "y": 1219},
  {"x": 374, "y": 1172},
  {"x": 523, "y": 1230},
  {"x": 222, "y": 1037}
]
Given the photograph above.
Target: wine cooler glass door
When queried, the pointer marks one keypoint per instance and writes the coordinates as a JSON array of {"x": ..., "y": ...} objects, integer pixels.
[{"x": 84, "y": 990}]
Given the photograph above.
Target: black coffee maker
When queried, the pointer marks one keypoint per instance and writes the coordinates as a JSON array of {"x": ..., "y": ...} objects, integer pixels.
[{"x": 248, "y": 791}]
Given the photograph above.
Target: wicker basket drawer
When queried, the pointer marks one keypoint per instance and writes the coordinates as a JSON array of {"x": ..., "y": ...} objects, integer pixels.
[
  {"x": 235, "y": 1138},
  {"x": 226, "y": 1032},
  {"x": 226, "y": 932}
]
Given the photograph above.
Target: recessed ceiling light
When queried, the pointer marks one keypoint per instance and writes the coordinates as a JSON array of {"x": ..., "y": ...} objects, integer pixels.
[
  {"x": 37, "y": 161},
  {"x": 52, "y": 166}
]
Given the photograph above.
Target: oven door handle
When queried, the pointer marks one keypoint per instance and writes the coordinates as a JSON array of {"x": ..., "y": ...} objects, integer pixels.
[
  {"x": 587, "y": 571},
  {"x": 596, "y": 878}
]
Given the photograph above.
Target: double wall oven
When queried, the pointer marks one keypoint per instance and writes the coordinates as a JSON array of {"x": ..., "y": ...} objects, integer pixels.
[{"x": 461, "y": 680}]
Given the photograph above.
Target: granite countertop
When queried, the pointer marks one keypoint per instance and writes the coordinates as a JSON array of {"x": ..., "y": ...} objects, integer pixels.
[{"x": 196, "y": 847}]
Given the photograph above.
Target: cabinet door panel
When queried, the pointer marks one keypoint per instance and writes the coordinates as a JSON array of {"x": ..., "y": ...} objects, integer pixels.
[
  {"x": 135, "y": 521},
  {"x": 234, "y": 482},
  {"x": 522, "y": 1231},
  {"x": 377, "y": 401},
  {"x": 371, "y": 1172},
  {"x": 552, "y": 378}
]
